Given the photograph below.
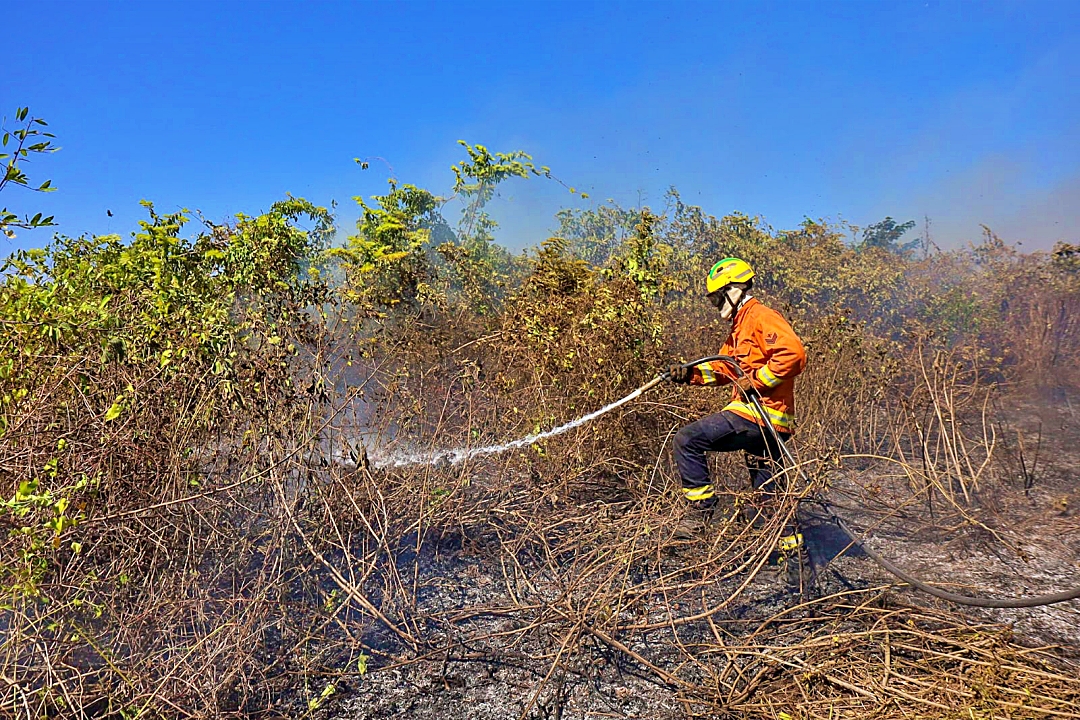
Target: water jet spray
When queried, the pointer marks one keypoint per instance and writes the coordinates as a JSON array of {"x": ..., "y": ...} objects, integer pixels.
[{"x": 456, "y": 455}]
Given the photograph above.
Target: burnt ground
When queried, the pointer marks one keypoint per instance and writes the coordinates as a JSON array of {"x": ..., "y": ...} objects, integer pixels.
[
  {"x": 1021, "y": 537},
  {"x": 490, "y": 678}
]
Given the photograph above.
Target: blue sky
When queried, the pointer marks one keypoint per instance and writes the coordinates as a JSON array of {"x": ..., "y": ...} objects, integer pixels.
[{"x": 964, "y": 112}]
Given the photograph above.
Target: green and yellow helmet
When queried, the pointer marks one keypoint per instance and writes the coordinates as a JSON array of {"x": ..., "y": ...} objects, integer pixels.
[{"x": 727, "y": 271}]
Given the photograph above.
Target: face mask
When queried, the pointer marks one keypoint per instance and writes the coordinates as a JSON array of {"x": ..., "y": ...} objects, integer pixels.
[{"x": 730, "y": 301}]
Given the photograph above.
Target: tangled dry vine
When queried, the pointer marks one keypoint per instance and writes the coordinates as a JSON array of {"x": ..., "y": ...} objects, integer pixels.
[{"x": 194, "y": 528}]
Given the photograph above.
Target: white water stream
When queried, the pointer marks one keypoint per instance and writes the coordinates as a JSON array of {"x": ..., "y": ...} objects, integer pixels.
[{"x": 456, "y": 455}]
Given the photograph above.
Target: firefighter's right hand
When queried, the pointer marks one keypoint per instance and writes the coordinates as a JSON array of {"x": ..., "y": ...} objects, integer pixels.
[{"x": 679, "y": 374}]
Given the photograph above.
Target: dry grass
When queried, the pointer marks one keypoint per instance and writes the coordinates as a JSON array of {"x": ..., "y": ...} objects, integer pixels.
[{"x": 253, "y": 565}]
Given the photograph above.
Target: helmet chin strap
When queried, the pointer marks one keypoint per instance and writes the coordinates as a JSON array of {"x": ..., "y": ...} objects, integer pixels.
[{"x": 734, "y": 298}]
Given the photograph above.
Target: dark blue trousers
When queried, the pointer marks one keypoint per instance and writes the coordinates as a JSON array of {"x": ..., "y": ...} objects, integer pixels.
[{"x": 723, "y": 432}]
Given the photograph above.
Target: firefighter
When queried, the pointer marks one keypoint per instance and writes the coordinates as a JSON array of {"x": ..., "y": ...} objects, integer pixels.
[{"x": 771, "y": 355}]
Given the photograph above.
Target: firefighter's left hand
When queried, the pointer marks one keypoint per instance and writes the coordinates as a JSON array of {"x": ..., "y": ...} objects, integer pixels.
[
  {"x": 679, "y": 374},
  {"x": 746, "y": 386}
]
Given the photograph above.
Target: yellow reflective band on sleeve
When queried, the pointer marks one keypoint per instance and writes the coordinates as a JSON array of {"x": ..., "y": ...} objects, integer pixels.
[
  {"x": 708, "y": 375},
  {"x": 767, "y": 378},
  {"x": 699, "y": 493},
  {"x": 783, "y": 421},
  {"x": 791, "y": 542}
]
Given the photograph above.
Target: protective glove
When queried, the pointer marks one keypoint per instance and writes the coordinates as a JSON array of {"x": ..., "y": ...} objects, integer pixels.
[
  {"x": 679, "y": 374},
  {"x": 746, "y": 386}
]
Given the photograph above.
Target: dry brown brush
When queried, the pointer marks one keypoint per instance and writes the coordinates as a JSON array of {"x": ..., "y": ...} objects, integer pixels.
[{"x": 220, "y": 530}]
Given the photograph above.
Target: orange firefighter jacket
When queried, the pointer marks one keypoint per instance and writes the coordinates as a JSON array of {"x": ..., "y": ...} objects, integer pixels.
[{"x": 769, "y": 352}]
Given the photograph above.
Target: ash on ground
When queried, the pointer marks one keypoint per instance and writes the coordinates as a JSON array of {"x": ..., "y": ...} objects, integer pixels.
[{"x": 504, "y": 642}]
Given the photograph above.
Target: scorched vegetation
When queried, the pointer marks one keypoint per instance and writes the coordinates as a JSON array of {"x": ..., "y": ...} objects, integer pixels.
[{"x": 203, "y": 516}]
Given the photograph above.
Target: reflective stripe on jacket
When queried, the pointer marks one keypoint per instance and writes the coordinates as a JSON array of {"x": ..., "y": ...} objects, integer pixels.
[{"x": 770, "y": 352}]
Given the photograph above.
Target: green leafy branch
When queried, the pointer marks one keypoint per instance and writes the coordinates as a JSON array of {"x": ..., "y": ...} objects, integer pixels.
[
  {"x": 29, "y": 139},
  {"x": 405, "y": 253}
]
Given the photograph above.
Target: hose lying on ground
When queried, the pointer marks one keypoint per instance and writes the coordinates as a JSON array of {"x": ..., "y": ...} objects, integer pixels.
[{"x": 858, "y": 541}]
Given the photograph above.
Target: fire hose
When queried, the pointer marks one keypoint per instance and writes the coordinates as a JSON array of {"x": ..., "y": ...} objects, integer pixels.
[{"x": 857, "y": 540}]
